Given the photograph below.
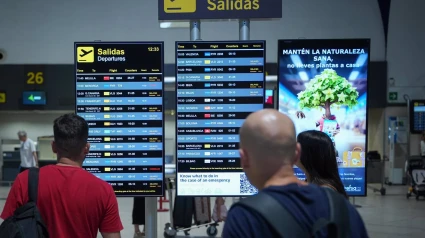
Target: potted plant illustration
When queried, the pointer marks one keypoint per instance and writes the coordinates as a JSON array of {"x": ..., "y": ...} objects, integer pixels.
[{"x": 325, "y": 90}]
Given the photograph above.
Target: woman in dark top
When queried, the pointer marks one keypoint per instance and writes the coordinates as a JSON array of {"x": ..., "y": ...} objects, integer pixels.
[{"x": 318, "y": 160}]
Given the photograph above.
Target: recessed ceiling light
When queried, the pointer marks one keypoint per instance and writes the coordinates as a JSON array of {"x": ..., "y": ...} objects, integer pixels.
[{"x": 177, "y": 24}]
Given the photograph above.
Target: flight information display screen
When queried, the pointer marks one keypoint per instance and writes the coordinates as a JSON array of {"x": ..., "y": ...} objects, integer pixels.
[
  {"x": 417, "y": 116},
  {"x": 218, "y": 84},
  {"x": 120, "y": 90}
]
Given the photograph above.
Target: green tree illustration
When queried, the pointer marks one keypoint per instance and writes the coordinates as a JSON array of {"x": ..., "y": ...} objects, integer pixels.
[{"x": 326, "y": 89}]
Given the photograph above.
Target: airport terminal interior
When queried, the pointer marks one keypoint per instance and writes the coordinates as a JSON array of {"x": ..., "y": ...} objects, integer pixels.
[{"x": 165, "y": 85}]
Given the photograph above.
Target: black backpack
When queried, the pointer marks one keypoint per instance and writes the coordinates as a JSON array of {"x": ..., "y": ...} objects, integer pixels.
[
  {"x": 287, "y": 226},
  {"x": 26, "y": 222}
]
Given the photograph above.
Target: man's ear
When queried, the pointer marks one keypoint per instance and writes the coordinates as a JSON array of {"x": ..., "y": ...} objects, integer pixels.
[
  {"x": 244, "y": 159},
  {"x": 87, "y": 148},
  {"x": 54, "y": 148},
  {"x": 297, "y": 154}
]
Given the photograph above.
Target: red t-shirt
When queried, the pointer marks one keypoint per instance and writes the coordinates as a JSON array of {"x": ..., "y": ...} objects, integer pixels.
[{"x": 73, "y": 203}]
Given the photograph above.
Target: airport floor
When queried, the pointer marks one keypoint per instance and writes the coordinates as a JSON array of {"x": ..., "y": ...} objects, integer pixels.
[{"x": 389, "y": 216}]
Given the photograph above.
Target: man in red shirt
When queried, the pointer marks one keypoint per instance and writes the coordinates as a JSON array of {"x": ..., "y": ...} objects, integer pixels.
[{"x": 73, "y": 203}]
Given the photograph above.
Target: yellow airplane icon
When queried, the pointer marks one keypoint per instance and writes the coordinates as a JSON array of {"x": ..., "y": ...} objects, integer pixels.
[
  {"x": 179, "y": 6},
  {"x": 85, "y": 54}
]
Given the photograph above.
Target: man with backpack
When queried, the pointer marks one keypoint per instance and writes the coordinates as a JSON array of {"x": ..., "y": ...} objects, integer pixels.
[
  {"x": 285, "y": 206},
  {"x": 67, "y": 200}
]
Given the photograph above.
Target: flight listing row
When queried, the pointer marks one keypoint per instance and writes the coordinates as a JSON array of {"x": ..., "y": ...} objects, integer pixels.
[
  {"x": 249, "y": 92},
  {"x": 224, "y": 123},
  {"x": 219, "y": 108},
  {"x": 219, "y": 69},
  {"x": 129, "y": 176},
  {"x": 229, "y": 138},
  {"x": 125, "y": 154},
  {"x": 122, "y": 116},
  {"x": 220, "y": 77},
  {"x": 206, "y": 153},
  {"x": 108, "y": 161},
  {"x": 119, "y": 101},
  {"x": 119, "y": 93},
  {"x": 119, "y": 85},
  {"x": 123, "y": 169},
  {"x": 250, "y": 61},
  {"x": 218, "y": 85},
  {"x": 119, "y": 77},
  {"x": 219, "y": 54},
  {"x": 125, "y": 131},
  {"x": 124, "y": 139},
  {"x": 124, "y": 108},
  {"x": 200, "y": 115}
]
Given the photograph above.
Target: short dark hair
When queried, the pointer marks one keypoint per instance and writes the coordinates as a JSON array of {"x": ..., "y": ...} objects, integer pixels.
[
  {"x": 319, "y": 159},
  {"x": 70, "y": 132}
]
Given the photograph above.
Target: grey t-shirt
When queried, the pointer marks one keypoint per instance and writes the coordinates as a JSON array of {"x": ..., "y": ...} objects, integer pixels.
[{"x": 27, "y": 156}]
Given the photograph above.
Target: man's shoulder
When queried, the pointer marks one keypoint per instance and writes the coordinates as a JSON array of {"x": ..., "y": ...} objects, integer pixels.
[{"x": 78, "y": 173}]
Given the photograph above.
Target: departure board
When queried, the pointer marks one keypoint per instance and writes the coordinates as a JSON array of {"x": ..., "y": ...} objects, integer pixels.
[
  {"x": 417, "y": 116},
  {"x": 218, "y": 84},
  {"x": 119, "y": 91}
]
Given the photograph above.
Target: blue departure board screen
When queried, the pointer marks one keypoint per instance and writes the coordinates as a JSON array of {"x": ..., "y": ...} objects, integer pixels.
[
  {"x": 218, "y": 84},
  {"x": 120, "y": 88},
  {"x": 417, "y": 116}
]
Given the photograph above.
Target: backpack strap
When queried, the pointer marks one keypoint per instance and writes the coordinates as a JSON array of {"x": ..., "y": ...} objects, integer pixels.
[
  {"x": 338, "y": 223},
  {"x": 276, "y": 215},
  {"x": 33, "y": 184}
]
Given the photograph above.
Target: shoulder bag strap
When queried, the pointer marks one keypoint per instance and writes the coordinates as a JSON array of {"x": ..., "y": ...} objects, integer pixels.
[
  {"x": 339, "y": 222},
  {"x": 33, "y": 184},
  {"x": 276, "y": 215}
]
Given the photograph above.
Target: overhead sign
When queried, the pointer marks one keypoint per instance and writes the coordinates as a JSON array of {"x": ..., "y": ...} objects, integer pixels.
[
  {"x": 218, "y": 9},
  {"x": 34, "y": 98},
  {"x": 393, "y": 96}
]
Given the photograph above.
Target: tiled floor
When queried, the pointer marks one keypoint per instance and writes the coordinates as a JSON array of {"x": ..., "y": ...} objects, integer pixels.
[{"x": 387, "y": 216}]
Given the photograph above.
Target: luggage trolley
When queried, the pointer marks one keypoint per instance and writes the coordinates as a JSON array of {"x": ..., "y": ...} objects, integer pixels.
[
  {"x": 380, "y": 162},
  {"x": 170, "y": 231}
]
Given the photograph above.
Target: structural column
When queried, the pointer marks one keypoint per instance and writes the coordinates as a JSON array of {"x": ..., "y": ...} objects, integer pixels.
[
  {"x": 195, "y": 30},
  {"x": 244, "y": 29},
  {"x": 151, "y": 225}
]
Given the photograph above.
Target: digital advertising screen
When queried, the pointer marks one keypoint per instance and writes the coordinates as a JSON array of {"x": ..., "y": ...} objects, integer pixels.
[
  {"x": 119, "y": 91},
  {"x": 417, "y": 116},
  {"x": 218, "y": 84},
  {"x": 323, "y": 86}
]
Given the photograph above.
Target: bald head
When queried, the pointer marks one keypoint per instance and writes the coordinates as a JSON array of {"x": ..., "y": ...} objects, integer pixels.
[{"x": 269, "y": 135}]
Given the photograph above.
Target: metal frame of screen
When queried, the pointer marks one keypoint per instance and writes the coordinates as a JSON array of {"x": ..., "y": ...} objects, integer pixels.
[
  {"x": 176, "y": 127},
  {"x": 352, "y": 43},
  {"x": 161, "y": 44}
]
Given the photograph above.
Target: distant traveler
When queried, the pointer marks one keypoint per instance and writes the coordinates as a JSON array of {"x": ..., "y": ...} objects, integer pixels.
[
  {"x": 285, "y": 206},
  {"x": 28, "y": 152},
  {"x": 318, "y": 160},
  {"x": 73, "y": 202},
  {"x": 139, "y": 216}
]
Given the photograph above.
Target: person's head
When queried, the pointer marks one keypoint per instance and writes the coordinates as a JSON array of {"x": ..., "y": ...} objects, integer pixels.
[
  {"x": 267, "y": 146},
  {"x": 70, "y": 137},
  {"x": 22, "y": 135},
  {"x": 318, "y": 159}
]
